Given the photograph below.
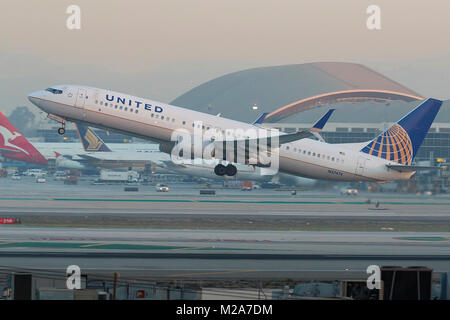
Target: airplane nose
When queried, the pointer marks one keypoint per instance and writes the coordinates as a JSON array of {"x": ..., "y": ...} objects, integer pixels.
[{"x": 34, "y": 97}]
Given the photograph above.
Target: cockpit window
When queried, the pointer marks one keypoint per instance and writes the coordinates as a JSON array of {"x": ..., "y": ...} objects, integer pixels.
[{"x": 54, "y": 91}]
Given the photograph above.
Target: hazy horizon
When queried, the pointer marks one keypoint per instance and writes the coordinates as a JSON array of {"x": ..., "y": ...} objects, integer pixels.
[{"x": 161, "y": 49}]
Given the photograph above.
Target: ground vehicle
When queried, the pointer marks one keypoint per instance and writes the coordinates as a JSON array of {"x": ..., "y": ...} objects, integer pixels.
[
  {"x": 349, "y": 191},
  {"x": 162, "y": 188},
  {"x": 40, "y": 179},
  {"x": 35, "y": 172},
  {"x": 15, "y": 177},
  {"x": 118, "y": 176},
  {"x": 71, "y": 179}
]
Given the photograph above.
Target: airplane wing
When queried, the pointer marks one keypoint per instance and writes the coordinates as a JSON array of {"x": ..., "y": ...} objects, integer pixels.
[
  {"x": 171, "y": 165},
  {"x": 300, "y": 134},
  {"x": 403, "y": 168}
]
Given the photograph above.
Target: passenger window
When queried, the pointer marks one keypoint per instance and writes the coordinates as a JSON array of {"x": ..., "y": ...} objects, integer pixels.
[
  {"x": 101, "y": 103},
  {"x": 318, "y": 155},
  {"x": 96, "y": 101},
  {"x": 106, "y": 104},
  {"x": 126, "y": 109},
  {"x": 332, "y": 159},
  {"x": 184, "y": 122},
  {"x": 152, "y": 115},
  {"x": 136, "y": 111},
  {"x": 131, "y": 110},
  {"x": 314, "y": 154},
  {"x": 115, "y": 107},
  {"x": 120, "y": 107},
  {"x": 309, "y": 153}
]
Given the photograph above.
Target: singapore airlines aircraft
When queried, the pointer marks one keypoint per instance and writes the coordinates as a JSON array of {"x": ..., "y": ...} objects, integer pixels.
[{"x": 387, "y": 157}]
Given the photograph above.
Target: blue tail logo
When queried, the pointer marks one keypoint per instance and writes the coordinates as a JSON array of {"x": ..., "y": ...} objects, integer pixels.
[
  {"x": 401, "y": 142},
  {"x": 90, "y": 140}
]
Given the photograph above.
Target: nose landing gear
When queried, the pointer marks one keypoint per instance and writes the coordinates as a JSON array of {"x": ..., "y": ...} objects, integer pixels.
[
  {"x": 61, "y": 130},
  {"x": 229, "y": 170}
]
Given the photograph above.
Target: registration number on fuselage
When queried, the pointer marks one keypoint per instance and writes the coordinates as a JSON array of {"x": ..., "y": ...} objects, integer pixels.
[{"x": 334, "y": 172}]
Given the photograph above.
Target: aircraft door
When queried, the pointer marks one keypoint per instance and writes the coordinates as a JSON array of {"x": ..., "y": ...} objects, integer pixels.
[
  {"x": 360, "y": 165},
  {"x": 81, "y": 98}
]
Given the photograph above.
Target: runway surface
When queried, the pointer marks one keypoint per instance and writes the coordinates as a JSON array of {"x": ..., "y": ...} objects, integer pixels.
[
  {"x": 257, "y": 235},
  {"x": 220, "y": 254}
]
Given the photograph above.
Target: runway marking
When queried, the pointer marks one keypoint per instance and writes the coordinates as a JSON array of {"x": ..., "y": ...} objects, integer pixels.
[
  {"x": 218, "y": 201},
  {"x": 193, "y": 248},
  {"x": 423, "y": 238},
  {"x": 95, "y": 245},
  {"x": 211, "y": 273},
  {"x": 9, "y": 242}
]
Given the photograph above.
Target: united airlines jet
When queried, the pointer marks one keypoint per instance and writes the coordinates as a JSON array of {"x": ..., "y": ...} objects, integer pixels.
[{"x": 387, "y": 157}]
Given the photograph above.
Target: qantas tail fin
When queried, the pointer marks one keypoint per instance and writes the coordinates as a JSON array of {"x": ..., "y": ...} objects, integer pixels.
[
  {"x": 401, "y": 142},
  {"x": 90, "y": 140},
  {"x": 14, "y": 145}
]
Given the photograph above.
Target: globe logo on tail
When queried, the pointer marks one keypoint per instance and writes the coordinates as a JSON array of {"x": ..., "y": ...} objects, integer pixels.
[{"x": 393, "y": 144}]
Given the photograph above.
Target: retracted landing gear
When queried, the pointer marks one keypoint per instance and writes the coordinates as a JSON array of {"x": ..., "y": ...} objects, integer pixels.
[{"x": 229, "y": 170}]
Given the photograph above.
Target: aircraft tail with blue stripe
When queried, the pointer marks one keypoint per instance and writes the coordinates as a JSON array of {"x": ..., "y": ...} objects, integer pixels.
[
  {"x": 401, "y": 142},
  {"x": 90, "y": 140}
]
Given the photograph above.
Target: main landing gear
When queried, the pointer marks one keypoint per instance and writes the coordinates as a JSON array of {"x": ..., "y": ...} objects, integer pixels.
[{"x": 228, "y": 170}]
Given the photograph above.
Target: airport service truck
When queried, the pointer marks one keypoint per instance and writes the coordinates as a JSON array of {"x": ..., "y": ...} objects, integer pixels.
[{"x": 118, "y": 176}]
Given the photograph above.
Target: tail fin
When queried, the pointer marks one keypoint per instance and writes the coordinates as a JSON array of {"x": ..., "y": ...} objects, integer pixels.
[
  {"x": 90, "y": 140},
  {"x": 14, "y": 145},
  {"x": 401, "y": 142}
]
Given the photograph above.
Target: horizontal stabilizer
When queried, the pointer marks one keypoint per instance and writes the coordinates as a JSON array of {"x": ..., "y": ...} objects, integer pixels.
[
  {"x": 402, "y": 168},
  {"x": 8, "y": 150}
]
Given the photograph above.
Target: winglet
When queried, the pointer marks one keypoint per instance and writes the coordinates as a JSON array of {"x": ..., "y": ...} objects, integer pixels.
[
  {"x": 90, "y": 140},
  {"x": 318, "y": 126},
  {"x": 261, "y": 118}
]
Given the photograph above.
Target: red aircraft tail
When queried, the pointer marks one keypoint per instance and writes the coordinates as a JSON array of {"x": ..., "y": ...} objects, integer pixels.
[{"x": 14, "y": 145}]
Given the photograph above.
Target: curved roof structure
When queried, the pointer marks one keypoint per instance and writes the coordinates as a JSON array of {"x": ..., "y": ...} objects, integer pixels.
[
  {"x": 286, "y": 90},
  {"x": 338, "y": 96}
]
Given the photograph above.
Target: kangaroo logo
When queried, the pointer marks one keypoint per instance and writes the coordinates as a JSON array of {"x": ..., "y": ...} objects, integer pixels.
[
  {"x": 9, "y": 137},
  {"x": 393, "y": 144}
]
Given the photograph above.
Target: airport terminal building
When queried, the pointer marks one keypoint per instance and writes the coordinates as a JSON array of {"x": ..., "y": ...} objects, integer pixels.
[{"x": 295, "y": 96}]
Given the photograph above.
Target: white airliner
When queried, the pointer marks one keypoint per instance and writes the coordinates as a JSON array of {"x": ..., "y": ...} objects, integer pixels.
[{"x": 387, "y": 157}]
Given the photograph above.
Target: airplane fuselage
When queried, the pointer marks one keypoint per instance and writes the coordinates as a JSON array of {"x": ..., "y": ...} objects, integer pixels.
[{"x": 157, "y": 121}]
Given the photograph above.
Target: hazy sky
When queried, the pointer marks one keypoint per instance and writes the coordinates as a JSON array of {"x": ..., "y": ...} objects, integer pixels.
[{"x": 160, "y": 49}]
